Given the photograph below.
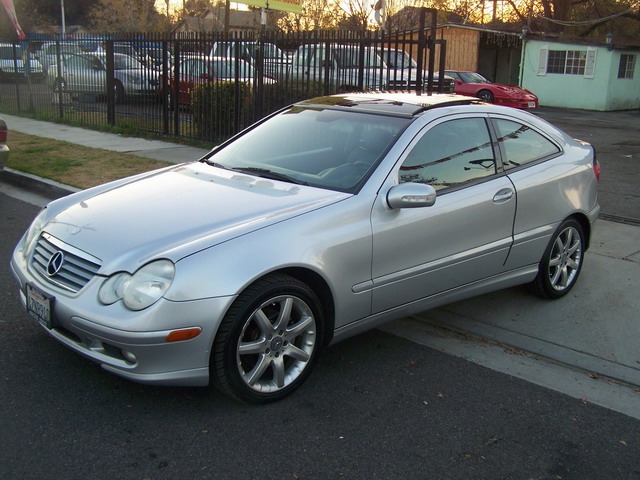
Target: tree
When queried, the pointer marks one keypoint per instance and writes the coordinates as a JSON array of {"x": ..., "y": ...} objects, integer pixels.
[
  {"x": 579, "y": 17},
  {"x": 127, "y": 16},
  {"x": 33, "y": 13},
  {"x": 358, "y": 13},
  {"x": 316, "y": 15}
]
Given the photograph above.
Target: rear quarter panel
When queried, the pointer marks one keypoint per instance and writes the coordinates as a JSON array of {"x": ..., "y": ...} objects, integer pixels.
[{"x": 548, "y": 193}]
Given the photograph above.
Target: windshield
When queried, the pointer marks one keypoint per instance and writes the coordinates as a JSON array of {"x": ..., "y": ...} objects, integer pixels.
[
  {"x": 223, "y": 68},
  {"x": 270, "y": 50},
  {"x": 318, "y": 147},
  {"x": 470, "y": 77},
  {"x": 125, "y": 62},
  {"x": 398, "y": 59}
]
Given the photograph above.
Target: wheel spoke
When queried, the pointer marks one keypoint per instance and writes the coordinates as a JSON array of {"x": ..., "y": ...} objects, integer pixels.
[
  {"x": 572, "y": 264},
  {"x": 555, "y": 261},
  {"x": 261, "y": 319},
  {"x": 568, "y": 237},
  {"x": 564, "y": 277},
  {"x": 258, "y": 370},
  {"x": 295, "y": 352},
  {"x": 300, "y": 327},
  {"x": 284, "y": 315},
  {"x": 278, "y": 371},
  {"x": 250, "y": 348}
]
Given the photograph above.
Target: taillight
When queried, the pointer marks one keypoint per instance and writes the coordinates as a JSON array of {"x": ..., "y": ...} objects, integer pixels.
[
  {"x": 3, "y": 133},
  {"x": 596, "y": 164}
]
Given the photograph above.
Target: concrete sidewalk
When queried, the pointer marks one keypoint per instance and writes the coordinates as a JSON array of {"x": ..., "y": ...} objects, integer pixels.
[
  {"x": 154, "y": 149},
  {"x": 595, "y": 328}
]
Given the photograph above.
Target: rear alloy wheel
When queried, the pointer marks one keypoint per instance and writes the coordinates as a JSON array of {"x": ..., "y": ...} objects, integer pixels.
[
  {"x": 562, "y": 261},
  {"x": 485, "y": 96},
  {"x": 269, "y": 340}
]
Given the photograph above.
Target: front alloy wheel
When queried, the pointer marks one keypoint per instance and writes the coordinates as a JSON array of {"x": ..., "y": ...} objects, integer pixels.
[
  {"x": 269, "y": 340},
  {"x": 486, "y": 96},
  {"x": 562, "y": 261}
]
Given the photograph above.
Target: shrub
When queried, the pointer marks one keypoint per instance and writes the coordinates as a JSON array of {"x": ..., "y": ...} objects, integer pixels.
[{"x": 216, "y": 114}]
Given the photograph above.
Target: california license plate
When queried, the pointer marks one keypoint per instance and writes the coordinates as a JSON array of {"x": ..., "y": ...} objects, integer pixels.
[{"x": 39, "y": 305}]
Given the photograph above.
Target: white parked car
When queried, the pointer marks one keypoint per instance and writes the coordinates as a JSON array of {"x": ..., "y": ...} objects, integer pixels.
[
  {"x": 275, "y": 60},
  {"x": 52, "y": 52},
  {"x": 15, "y": 66}
]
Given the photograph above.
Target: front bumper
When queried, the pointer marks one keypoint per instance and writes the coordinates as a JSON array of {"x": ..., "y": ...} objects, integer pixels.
[
  {"x": 522, "y": 103},
  {"x": 4, "y": 155},
  {"x": 130, "y": 344}
]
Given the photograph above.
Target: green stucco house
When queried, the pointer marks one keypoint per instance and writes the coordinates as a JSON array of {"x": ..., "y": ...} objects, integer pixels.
[{"x": 584, "y": 76}]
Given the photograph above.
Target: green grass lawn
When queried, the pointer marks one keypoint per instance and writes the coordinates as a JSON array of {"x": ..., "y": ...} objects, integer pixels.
[{"x": 71, "y": 164}]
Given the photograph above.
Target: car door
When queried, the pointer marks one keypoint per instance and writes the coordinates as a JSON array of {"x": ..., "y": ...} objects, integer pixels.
[
  {"x": 464, "y": 237},
  {"x": 85, "y": 74}
]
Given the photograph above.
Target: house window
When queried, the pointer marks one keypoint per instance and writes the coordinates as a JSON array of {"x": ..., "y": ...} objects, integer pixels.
[
  {"x": 567, "y": 62},
  {"x": 627, "y": 66}
]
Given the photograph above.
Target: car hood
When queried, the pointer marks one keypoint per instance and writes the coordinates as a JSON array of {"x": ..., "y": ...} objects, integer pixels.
[
  {"x": 511, "y": 89},
  {"x": 177, "y": 212}
]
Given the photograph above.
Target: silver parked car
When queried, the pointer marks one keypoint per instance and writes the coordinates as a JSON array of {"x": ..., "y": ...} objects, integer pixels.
[
  {"x": 87, "y": 74},
  {"x": 330, "y": 217}
]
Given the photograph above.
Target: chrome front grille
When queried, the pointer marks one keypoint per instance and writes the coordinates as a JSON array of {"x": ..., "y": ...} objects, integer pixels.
[{"x": 72, "y": 270}]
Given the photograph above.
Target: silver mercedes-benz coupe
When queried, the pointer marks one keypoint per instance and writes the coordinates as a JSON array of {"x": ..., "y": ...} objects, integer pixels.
[{"x": 328, "y": 218}]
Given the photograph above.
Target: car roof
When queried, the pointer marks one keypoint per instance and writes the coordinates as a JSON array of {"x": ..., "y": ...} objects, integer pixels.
[{"x": 391, "y": 103}]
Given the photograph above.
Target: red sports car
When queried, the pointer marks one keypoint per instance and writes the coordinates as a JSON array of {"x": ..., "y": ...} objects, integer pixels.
[{"x": 475, "y": 85}]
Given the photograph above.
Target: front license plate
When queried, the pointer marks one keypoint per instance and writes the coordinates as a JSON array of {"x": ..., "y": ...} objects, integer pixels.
[
  {"x": 39, "y": 305},
  {"x": 532, "y": 104}
]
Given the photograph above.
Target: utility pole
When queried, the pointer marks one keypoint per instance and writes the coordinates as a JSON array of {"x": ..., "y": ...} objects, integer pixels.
[{"x": 64, "y": 26}]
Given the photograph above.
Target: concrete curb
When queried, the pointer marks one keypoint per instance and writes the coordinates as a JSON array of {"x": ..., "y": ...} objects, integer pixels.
[{"x": 41, "y": 186}]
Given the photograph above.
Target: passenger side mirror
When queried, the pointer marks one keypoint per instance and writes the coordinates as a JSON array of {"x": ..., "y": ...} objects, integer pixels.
[{"x": 411, "y": 195}]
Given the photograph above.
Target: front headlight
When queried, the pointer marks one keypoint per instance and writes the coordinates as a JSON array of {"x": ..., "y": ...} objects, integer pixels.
[
  {"x": 34, "y": 232},
  {"x": 140, "y": 290}
]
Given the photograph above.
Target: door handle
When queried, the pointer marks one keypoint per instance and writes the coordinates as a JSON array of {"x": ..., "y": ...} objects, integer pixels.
[{"x": 503, "y": 195}]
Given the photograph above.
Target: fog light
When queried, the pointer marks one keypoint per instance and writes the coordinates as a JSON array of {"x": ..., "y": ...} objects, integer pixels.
[{"x": 128, "y": 356}]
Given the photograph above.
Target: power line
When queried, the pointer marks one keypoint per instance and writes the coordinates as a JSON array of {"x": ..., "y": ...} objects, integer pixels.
[{"x": 586, "y": 22}]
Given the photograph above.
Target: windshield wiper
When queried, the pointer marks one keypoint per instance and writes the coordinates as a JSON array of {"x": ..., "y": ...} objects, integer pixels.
[
  {"x": 265, "y": 173},
  {"x": 214, "y": 164}
]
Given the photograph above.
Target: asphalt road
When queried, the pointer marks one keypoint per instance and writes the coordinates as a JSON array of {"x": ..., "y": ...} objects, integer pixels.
[
  {"x": 616, "y": 138},
  {"x": 377, "y": 406}
]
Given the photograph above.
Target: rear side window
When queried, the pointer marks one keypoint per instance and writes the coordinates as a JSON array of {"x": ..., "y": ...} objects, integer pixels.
[{"x": 521, "y": 144}]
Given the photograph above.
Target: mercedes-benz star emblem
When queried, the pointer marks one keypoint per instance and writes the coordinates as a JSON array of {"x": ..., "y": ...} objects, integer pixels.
[{"x": 55, "y": 263}]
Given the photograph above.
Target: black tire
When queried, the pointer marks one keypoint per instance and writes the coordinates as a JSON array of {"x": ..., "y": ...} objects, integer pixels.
[
  {"x": 171, "y": 101},
  {"x": 58, "y": 85},
  {"x": 269, "y": 341},
  {"x": 562, "y": 261},
  {"x": 118, "y": 93},
  {"x": 485, "y": 96}
]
